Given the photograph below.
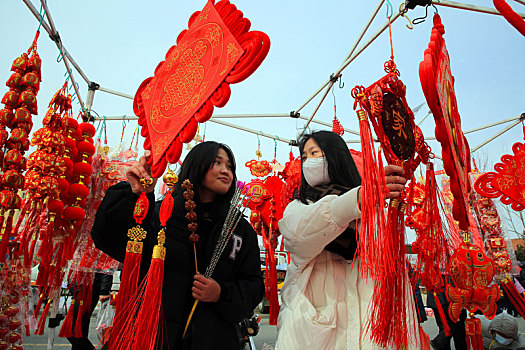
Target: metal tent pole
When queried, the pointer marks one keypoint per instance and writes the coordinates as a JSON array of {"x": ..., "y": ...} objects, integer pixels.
[
  {"x": 496, "y": 136},
  {"x": 470, "y": 7},
  {"x": 425, "y": 117},
  {"x": 374, "y": 14},
  {"x": 354, "y": 56},
  {"x": 270, "y": 136},
  {"x": 237, "y": 116},
  {"x": 240, "y": 116},
  {"x": 217, "y": 121},
  {"x": 56, "y": 38},
  {"x": 316, "y": 109},
  {"x": 348, "y": 57},
  {"x": 362, "y": 48},
  {"x": 118, "y": 93},
  {"x": 520, "y": 117}
]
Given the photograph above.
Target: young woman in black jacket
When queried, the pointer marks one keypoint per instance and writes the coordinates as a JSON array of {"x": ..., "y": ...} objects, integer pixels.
[{"x": 236, "y": 286}]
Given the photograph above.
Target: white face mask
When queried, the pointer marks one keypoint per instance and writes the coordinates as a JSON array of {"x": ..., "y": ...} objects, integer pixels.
[
  {"x": 503, "y": 340},
  {"x": 315, "y": 171}
]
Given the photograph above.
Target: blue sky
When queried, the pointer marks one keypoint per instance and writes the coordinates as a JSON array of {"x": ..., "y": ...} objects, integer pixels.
[{"x": 119, "y": 43}]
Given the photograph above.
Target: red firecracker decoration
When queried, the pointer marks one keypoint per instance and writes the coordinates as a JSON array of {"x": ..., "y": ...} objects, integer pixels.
[{"x": 19, "y": 103}]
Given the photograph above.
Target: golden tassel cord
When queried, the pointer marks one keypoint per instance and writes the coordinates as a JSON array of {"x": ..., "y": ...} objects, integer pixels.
[{"x": 189, "y": 317}]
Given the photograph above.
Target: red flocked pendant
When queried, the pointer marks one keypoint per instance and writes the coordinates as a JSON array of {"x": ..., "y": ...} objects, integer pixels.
[
  {"x": 141, "y": 208},
  {"x": 166, "y": 208}
]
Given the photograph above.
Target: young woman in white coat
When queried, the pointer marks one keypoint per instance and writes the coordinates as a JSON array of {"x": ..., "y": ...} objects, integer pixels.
[{"x": 324, "y": 300}]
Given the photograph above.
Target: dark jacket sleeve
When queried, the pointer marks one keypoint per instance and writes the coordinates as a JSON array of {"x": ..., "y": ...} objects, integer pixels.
[
  {"x": 240, "y": 297},
  {"x": 115, "y": 217},
  {"x": 103, "y": 282}
]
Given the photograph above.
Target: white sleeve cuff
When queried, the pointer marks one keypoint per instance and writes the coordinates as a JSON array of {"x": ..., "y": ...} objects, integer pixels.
[{"x": 345, "y": 209}]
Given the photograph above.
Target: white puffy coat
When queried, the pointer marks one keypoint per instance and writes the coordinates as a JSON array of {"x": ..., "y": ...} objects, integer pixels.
[{"x": 324, "y": 300}]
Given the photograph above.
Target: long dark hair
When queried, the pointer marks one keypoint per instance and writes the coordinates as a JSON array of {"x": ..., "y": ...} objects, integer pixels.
[
  {"x": 197, "y": 163},
  {"x": 341, "y": 166}
]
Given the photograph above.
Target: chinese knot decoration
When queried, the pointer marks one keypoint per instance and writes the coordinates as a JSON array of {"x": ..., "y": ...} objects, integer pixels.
[
  {"x": 496, "y": 247},
  {"x": 382, "y": 238},
  {"x": 508, "y": 182},
  {"x": 216, "y": 50}
]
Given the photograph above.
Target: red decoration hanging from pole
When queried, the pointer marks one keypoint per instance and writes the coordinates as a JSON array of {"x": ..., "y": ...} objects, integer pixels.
[
  {"x": 216, "y": 50},
  {"x": 508, "y": 182}
]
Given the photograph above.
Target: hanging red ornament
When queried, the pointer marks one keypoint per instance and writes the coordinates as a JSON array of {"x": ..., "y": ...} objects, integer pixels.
[
  {"x": 472, "y": 272},
  {"x": 510, "y": 15},
  {"x": 508, "y": 182},
  {"x": 217, "y": 50},
  {"x": 438, "y": 85},
  {"x": 259, "y": 168}
]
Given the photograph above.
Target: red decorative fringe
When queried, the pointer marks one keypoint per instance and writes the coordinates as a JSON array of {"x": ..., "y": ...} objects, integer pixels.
[
  {"x": 510, "y": 15},
  {"x": 39, "y": 304},
  {"x": 514, "y": 296},
  {"x": 473, "y": 331},
  {"x": 442, "y": 316},
  {"x": 388, "y": 317},
  {"x": 42, "y": 322},
  {"x": 77, "y": 330},
  {"x": 66, "y": 329},
  {"x": 424, "y": 339},
  {"x": 382, "y": 249},
  {"x": 6, "y": 235},
  {"x": 148, "y": 316},
  {"x": 128, "y": 287},
  {"x": 371, "y": 205},
  {"x": 270, "y": 279}
]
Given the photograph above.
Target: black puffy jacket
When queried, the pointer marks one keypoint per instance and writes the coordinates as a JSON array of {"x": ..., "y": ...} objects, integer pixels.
[{"x": 237, "y": 272}]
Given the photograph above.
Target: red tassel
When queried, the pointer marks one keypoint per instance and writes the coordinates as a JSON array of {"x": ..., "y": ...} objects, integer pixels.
[
  {"x": 371, "y": 204},
  {"x": 442, "y": 316},
  {"x": 2, "y": 218},
  {"x": 148, "y": 316},
  {"x": 130, "y": 271},
  {"x": 510, "y": 15},
  {"x": 389, "y": 316},
  {"x": 38, "y": 305},
  {"x": 514, "y": 296},
  {"x": 77, "y": 330},
  {"x": 6, "y": 235},
  {"x": 141, "y": 332},
  {"x": 473, "y": 332},
  {"x": 66, "y": 329},
  {"x": 128, "y": 287},
  {"x": 85, "y": 280},
  {"x": 42, "y": 321},
  {"x": 424, "y": 339},
  {"x": 382, "y": 249},
  {"x": 271, "y": 280}
]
